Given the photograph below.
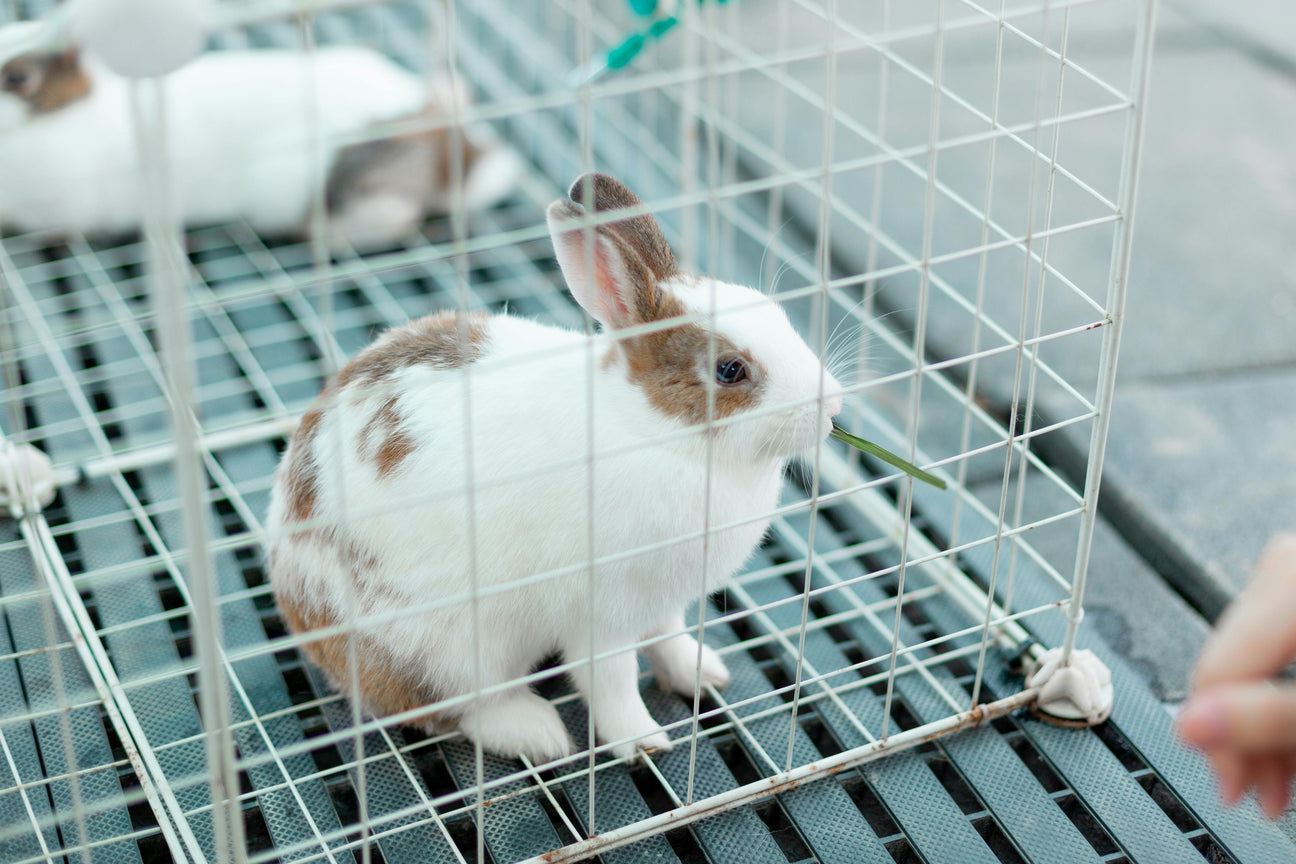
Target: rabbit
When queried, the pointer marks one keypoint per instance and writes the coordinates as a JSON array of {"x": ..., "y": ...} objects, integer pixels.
[
  {"x": 383, "y": 489},
  {"x": 238, "y": 139}
]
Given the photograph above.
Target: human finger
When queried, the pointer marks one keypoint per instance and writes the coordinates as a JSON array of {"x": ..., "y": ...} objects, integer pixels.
[
  {"x": 1255, "y": 637},
  {"x": 1273, "y": 785},
  {"x": 1254, "y": 718},
  {"x": 1230, "y": 774}
]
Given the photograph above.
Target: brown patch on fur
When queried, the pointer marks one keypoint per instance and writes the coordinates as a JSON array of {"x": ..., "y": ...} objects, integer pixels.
[
  {"x": 433, "y": 340},
  {"x": 46, "y": 81},
  {"x": 452, "y": 144},
  {"x": 419, "y": 162},
  {"x": 361, "y": 563},
  {"x": 384, "y": 687},
  {"x": 394, "y": 449},
  {"x": 640, "y": 233},
  {"x": 672, "y": 368},
  {"x": 672, "y": 365},
  {"x": 356, "y": 559},
  {"x": 636, "y": 298},
  {"x": 396, "y": 444},
  {"x": 300, "y": 481},
  {"x": 648, "y": 299}
]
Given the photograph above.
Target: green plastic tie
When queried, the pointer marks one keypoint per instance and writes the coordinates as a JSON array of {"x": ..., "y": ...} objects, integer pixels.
[{"x": 622, "y": 55}]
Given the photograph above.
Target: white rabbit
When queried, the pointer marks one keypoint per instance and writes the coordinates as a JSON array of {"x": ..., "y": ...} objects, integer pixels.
[
  {"x": 239, "y": 141},
  {"x": 387, "y": 499}
]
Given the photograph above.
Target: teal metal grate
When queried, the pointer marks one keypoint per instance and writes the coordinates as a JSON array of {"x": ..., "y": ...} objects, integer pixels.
[{"x": 80, "y": 781}]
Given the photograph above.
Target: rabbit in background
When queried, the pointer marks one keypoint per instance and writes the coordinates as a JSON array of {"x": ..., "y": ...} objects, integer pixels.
[{"x": 239, "y": 127}]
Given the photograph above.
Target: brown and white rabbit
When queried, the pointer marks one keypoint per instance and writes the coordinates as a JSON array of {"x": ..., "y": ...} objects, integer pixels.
[
  {"x": 371, "y": 513},
  {"x": 239, "y": 127}
]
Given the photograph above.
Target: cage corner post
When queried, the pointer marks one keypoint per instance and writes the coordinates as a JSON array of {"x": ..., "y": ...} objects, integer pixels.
[
  {"x": 1117, "y": 288},
  {"x": 166, "y": 267}
]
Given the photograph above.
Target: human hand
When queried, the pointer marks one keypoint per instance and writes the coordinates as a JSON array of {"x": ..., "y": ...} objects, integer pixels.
[{"x": 1237, "y": 714}]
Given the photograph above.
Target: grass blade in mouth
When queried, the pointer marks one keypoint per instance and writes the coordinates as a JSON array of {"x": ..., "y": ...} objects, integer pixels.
[{"x": 886, "y": 456}]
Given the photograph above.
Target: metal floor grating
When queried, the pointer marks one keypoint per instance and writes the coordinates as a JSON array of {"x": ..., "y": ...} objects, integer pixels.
[{"x": 1015, "y": 790}]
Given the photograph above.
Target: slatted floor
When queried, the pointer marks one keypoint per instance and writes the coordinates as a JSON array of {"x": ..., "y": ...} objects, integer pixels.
[{"x": 1014, "y": 791}]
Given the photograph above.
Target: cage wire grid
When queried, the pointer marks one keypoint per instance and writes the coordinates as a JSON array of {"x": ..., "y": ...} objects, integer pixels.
[{"x": 875, "y": 619}]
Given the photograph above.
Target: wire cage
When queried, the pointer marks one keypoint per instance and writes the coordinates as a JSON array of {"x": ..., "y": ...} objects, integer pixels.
[{"x": 940, "y": 196}]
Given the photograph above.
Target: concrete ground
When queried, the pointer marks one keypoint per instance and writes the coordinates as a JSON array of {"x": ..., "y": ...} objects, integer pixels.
[
  {"x": 1203, "y": 431},
  {"x": 1201, "y": 465},
  {"x": 1201, "y": 461}
]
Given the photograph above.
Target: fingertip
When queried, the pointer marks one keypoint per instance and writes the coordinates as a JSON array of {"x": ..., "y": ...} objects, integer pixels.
[
  {"x": 1283, "y": 786},
  {"x": 1256, "y": 717},
  {"x": 1273, "y": 802},
  {"x": 1202, "y": 676},
  {"x": 1229, "y": 777},
  {"x": 1272, "y": 786},
  {"x": 1281, "y": 548},
  {"x": 1203, "y": 722},
  {"x": 1210, "y": 669}
]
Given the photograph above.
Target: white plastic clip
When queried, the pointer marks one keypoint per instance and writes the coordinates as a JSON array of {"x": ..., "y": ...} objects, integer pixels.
[
  {"x": 1077, "y": 694},
  {"x": 27, "y": 479}
]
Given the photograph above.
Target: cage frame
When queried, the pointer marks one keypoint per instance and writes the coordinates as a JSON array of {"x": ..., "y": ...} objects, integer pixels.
[{"x": 191, "y": 457}]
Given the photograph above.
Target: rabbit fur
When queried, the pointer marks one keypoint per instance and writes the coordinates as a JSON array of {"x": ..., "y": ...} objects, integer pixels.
[
  {"x": 239, "y": 139},
  {"x": 453, "y": 455}
]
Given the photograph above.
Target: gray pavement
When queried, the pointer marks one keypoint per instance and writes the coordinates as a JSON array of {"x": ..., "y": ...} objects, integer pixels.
[
  {"x": 1202, "y": 456},
  {"x": 1201, "y": 465},
  {"x": 1205, "y": 424}
]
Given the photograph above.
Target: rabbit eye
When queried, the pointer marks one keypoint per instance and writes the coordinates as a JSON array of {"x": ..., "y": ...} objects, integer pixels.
[
  {"x": 731, "y": 371},
  {"x": 16, "y": 79}
]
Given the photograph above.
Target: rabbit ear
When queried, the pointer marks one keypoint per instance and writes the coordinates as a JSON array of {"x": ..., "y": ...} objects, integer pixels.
[
  {"x": 640, "y": 232},
  {"x": 604, "y": 274}
]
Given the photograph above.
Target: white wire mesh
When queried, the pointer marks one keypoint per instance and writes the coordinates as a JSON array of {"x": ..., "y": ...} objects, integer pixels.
[{"x": 919, "y": 186}]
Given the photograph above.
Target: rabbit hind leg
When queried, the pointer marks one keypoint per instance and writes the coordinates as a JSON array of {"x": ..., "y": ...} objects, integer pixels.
[
  {"x": 675, "y": 661},
  {"x": 374, "y": 222},
  {"x": 516, "y": 722},
  {"x": 384, "y": 684}
]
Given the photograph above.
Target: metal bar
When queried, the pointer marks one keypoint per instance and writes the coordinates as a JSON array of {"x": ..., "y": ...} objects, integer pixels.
[
  {"x": 76, "y": 620},
  {"x": 48, "y": 561},
  {"x": 1018, "y": 360},
  {"x": 758, "y": 790},
  {"x": 854, "y": 491},
  {"x": 956, "y": 583},
  {"x": 1118, "y": 284},
  {"x": 163, "y": 234}
]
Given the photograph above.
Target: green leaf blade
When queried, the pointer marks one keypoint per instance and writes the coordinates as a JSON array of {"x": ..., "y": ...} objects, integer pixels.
[{"x": 886, "y": 456}]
